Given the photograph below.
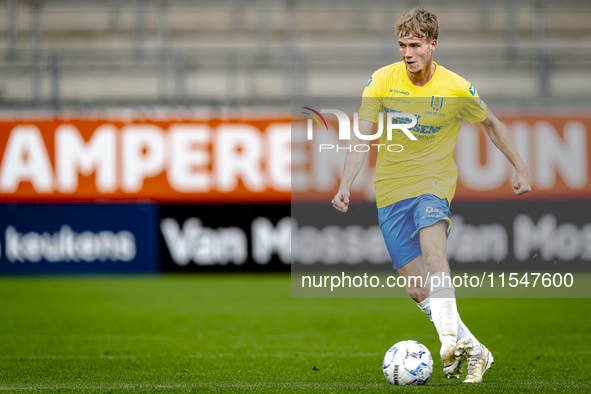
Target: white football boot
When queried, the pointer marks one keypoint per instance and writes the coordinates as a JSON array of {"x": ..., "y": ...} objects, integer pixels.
[
  {"x": 456, "y": 356},
  {"x": 478, "y": 364}
]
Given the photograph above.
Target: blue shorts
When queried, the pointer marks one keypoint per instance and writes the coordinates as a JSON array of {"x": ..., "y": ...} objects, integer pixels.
[{"x": 401, "y": 222}]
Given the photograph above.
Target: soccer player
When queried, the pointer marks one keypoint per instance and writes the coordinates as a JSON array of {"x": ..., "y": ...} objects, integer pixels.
[{"x": 415, "y": 187}]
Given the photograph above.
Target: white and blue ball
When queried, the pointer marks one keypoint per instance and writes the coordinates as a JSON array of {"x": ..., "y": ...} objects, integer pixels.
[{"x": 408, "y": 363}]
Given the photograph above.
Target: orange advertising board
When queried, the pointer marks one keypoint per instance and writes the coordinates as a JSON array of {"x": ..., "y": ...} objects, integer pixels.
[
  {"x": 555, "y": 150},
  {"x": 240, "y": 160},
  {"x": 162, "y": 161}
]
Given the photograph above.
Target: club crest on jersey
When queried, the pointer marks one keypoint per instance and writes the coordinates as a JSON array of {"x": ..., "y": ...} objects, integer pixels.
[{"x": 436, "y": 103}]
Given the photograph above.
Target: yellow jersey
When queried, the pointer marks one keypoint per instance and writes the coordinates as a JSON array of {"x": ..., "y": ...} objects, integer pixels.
[{"x": 424, "y": 166}]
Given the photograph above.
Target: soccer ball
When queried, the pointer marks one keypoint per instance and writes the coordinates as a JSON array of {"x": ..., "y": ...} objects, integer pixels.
[{"x": 407, "y": 363}]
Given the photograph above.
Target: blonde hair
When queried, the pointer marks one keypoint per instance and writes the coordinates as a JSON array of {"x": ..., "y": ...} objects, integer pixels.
[{"x": 418, "y": 23}]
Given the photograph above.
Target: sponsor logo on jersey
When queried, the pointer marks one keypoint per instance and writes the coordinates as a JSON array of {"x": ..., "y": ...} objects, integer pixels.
[
  {"x": 418, "y": 128},
  {"x": 369, "y": 82},
  {"x": 472, "y": 90},
  {"x": 399, "y": 91}
]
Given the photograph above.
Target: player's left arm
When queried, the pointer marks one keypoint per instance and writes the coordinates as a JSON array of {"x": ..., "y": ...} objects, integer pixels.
[{"x": 499, "y": 136}]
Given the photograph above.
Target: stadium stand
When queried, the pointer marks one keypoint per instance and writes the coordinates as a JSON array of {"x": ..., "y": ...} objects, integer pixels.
[{"x": 84, "y": 54}]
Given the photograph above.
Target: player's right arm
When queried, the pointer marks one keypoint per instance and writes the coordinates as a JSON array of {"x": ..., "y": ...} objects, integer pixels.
[
  {"x": 353, "y": 163},
  {"x": 371, "y": 105}
]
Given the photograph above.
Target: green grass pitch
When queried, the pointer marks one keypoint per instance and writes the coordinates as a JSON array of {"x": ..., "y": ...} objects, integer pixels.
[{"x": 243, "y": 333}]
